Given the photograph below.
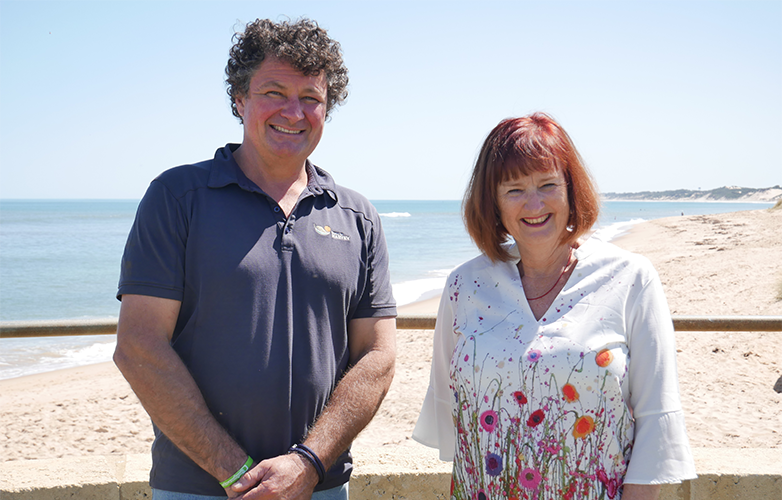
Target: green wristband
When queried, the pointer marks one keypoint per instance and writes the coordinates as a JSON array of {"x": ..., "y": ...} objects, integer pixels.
[{"x": 244, "y": 468}]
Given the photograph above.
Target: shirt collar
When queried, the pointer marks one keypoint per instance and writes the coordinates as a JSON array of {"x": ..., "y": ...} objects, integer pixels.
[{"x": 226, "y": 171}]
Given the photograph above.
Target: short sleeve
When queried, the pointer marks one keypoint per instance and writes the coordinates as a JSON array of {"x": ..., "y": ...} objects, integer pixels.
[
  {"x": 153, "y": 262},
  {"x": 378, "y": 298},
  {"x": 661, "y": 450},
  {"x": 435, "y": 426}
]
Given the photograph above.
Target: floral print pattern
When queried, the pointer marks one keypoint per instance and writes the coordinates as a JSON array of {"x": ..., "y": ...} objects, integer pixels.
[
  {"x": 538, "y": 416},
  {"x": 540, "y": 408}
]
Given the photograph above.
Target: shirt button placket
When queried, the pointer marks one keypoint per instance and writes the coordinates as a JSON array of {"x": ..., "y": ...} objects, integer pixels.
[{"x": 287, "y": 230}]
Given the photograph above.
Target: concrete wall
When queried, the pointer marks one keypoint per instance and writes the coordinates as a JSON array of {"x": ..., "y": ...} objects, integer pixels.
[{"x": 399, "y": 473}]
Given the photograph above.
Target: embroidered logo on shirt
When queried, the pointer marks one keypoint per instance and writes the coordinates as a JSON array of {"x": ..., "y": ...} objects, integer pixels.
[{"x": 326, "y": 231}]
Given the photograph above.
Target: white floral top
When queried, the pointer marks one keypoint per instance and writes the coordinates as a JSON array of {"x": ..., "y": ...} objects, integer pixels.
[{"x": 570, "y": 406}]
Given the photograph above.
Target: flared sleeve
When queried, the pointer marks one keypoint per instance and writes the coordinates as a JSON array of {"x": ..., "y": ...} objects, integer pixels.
[
  {"x": 661, "y": 451},
  {"x": 435, "y": 427}
]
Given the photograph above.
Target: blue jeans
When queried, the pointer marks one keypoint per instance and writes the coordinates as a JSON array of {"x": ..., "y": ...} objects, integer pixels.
[{"x": 338, "y": 493}]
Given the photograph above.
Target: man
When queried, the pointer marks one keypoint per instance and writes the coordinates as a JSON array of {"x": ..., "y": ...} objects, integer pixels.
[{"x": 257, "y": 321}]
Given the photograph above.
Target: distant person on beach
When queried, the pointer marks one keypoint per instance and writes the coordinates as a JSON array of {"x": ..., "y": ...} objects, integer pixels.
[
  {"x": 257, "y": 324},
  {"x": 554, "y": 366}
]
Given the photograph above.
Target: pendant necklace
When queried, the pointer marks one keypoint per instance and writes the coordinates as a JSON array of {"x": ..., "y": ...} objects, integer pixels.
[{"x": 570, "y": 256}]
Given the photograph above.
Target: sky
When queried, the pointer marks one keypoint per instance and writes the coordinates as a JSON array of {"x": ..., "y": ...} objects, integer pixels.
[{"x": 97, "y": 98}]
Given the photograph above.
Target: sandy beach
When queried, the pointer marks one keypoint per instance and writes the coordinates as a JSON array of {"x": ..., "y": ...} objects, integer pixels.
[{"x": 717, "y": 265}]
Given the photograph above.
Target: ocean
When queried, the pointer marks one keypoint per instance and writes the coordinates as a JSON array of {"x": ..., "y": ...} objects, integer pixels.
[{"x": 60, "y": 260}]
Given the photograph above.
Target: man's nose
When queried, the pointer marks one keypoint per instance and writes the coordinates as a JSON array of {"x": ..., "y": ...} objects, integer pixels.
[{"x": 292, "y": 110}]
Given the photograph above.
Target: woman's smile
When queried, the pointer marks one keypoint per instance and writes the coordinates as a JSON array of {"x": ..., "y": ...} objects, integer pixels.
[
  {"x": 537, "y": 222},
  {"x": 534, "y": 210}
]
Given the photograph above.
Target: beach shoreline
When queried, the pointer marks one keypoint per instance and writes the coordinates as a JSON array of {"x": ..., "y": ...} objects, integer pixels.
[
  {"x": 692, "y": 200},
  {"x": 727, "y": 264}
]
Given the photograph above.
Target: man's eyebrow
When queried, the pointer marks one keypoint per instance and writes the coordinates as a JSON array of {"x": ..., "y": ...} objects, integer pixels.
[
  {"x": 271, "y": 83},
  {"x": 274, "y": 84}
]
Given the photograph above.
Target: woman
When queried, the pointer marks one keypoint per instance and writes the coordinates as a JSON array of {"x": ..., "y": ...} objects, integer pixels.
[{"x": 554, "y": 367}]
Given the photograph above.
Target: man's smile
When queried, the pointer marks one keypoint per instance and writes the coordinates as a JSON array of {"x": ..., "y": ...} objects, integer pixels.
[{"x": 285, "y": 130}]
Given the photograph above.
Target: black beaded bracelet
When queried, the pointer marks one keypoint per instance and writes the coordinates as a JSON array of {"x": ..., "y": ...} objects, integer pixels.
[{"x": 310, "y": 455}]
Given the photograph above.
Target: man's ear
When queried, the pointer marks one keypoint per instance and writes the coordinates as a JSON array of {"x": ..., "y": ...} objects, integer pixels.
[{"x": 239, "y": 101}]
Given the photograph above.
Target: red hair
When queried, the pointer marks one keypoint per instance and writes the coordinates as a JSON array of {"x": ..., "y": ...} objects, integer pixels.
[{"x": 517, "y": 147}]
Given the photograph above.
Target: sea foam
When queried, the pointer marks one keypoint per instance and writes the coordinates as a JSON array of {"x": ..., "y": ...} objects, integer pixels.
[
  {"x": 615, "y": 230},
  {"x": 396, "y": 214}
]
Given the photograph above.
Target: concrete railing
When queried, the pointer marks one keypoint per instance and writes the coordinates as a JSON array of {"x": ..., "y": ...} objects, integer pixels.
[
  {"x": 380, "y": 474},
  {"x": 59, "y": 328}
]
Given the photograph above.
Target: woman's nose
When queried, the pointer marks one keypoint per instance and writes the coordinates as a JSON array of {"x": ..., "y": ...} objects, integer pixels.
[{"x": 534, "y": 200}]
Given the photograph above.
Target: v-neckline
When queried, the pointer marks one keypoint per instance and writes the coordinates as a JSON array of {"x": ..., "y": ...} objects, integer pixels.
[{"x": 517, "y": 277}]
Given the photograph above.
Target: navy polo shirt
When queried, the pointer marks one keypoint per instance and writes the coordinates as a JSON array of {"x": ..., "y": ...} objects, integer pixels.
[{"x": 266, "y": 301}]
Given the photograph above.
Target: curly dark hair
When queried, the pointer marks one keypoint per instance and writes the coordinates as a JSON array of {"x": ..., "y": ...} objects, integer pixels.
[{"x": 302, "y": 43}]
